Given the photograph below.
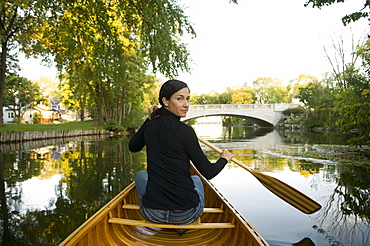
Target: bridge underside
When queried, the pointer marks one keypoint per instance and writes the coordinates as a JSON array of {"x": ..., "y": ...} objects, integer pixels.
[{"x": 259, "y": 122}]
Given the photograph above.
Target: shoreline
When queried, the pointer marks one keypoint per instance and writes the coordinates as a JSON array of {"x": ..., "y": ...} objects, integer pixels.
[
  {"x": 342, "y": 154},
  {"x": 23, "y": 140},
  {"x": 20, "y": 137}
]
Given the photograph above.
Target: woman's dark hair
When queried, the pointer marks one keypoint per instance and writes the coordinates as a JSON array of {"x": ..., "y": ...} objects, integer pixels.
[{"x": 167, "y": 90}]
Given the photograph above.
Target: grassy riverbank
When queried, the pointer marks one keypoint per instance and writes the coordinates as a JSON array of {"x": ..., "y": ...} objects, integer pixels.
[{"x": 81, "y": 125}]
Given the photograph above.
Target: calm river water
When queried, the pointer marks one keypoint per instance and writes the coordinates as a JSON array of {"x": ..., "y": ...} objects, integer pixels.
[{"x": 49, "y": 188}]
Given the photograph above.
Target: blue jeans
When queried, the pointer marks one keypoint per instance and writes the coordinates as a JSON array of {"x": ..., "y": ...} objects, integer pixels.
[{"x": 177, "y": 217}]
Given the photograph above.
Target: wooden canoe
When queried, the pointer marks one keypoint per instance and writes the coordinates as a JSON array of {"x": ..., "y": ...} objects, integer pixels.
[{"x": 119, "y": 223}]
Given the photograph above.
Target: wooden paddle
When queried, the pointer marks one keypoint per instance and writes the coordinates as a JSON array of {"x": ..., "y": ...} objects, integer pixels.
[{"x": 289, "y": 194}]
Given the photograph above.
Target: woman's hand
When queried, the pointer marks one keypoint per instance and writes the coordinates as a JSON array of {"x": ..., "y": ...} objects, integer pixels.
[
  {"x": 226, "y": 154},
  {"x": 151, "y": 109}
]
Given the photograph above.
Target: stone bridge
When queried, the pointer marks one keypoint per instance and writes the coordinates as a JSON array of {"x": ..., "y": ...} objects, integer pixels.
[{"x": 264, "y": 115}]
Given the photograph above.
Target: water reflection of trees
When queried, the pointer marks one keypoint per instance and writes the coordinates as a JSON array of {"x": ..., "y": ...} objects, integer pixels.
[
  {"x": 345, "y": 218},
  {"x": 244, "y": 132},
  {"x": 308, "y": 137},
  {"x": 347, "y": 212},
  {"x": 93, "y": 173}
]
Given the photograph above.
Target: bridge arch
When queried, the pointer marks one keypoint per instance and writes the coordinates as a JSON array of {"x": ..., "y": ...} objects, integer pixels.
[
  {"x": 259, "y": 122},
  {"x": 264, "y": 115}
]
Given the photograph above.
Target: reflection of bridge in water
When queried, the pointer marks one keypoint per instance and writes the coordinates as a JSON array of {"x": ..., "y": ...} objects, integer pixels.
[{"x": 264, "y": 115}]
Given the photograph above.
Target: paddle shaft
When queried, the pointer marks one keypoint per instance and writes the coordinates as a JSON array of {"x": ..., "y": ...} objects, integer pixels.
[{"x": 289, "y": 194}]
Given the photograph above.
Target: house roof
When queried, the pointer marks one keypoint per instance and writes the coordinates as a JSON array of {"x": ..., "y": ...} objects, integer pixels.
[
  {"x": 41, "y": 108},
  {"x": 56, "y": 101}
]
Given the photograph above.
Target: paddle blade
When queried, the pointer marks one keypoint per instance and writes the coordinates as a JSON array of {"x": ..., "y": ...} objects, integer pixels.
[{"x": 289, "y": 194}]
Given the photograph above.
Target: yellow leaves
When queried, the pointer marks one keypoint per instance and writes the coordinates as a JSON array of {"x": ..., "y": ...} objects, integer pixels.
[
  {"x": 242, "y": 98},
  {"x": 241, "y": 95},
  {"x": 365, "y": 92},
  {"x": 305, "y": 173},
  {"x": 306, "y": 79}
]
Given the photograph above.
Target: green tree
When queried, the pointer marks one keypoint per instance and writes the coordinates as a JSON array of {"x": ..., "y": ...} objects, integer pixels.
[
  {"x": 74, "y": 97},
  {"x": 344, "y": 56},
  {"x": 20, "y": 94},
  {"x": 341, "y": 98},
  {"x": 354, "y": 107},
  {"x": 225, "y": 98},
  {"x": 19, "y": 20},
  {"x": 362, "y": 13},
  {"x": 319, "y": 98},
  {"x": 108, "y": 45},
  {"x": 49, "y": 87},
  {"x": 211, "y": 98},
  {"x": 318, "y": 94},
  {"x": 108, "y": 42},
  {"x": 270, "y": 90},
  {"x": 301, "y": 81}
]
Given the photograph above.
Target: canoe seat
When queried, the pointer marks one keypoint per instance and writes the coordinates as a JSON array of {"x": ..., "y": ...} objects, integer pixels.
[
  {"x": 195, "y": 225},
  {"x": 206, "y": 210}
]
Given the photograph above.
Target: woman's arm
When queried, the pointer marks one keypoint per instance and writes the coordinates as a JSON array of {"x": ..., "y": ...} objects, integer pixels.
[
  {"x": 199, "y": 159},
  {"x": 137, "y": 142}
]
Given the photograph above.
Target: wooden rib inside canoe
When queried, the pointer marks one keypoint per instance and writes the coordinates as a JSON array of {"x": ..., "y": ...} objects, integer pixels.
[
  {"x": 205, "y": 210},
  {"x": 119, "y": 222},
  {"x": 194, "y": 225}
]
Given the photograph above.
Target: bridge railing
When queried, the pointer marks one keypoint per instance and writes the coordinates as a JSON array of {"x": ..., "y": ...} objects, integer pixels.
[{"x": 215, "y": 107}]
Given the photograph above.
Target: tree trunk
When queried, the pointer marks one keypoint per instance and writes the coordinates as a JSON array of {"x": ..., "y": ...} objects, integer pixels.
[
  {"x": 82, "y": 108},
  {"x": 99, "y": 104},
  {"x": 20, "y": 116},
  {"x": 4, "y": 207},
  {"x": 4, "y": 51}
]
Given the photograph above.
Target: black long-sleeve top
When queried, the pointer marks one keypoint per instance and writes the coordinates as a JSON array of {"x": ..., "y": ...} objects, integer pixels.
[{"x": 170, "y": 144}]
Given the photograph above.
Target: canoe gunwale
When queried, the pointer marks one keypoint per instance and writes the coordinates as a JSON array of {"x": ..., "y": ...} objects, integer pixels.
[{"x": 95, "y": 218}]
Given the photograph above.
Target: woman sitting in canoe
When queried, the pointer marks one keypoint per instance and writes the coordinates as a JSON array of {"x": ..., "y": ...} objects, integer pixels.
[{"x": 167, "y": 191}]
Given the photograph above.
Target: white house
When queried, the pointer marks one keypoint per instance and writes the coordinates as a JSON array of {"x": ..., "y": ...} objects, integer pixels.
[
  {"x": 8, "y": 115},
  {"x": 46, "y": 114}
]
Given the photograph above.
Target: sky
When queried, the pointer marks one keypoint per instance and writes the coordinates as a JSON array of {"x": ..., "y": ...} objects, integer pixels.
[{"x": 237, "y": 43}]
